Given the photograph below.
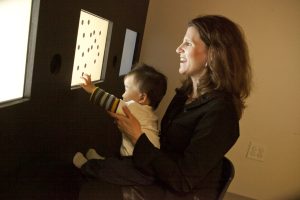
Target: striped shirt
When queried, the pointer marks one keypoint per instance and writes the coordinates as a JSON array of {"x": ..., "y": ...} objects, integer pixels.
[{"x": 104, "y": 99}]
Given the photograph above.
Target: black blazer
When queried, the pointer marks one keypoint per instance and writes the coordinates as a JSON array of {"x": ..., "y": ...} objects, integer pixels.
[{"x": 194, "y": 139}]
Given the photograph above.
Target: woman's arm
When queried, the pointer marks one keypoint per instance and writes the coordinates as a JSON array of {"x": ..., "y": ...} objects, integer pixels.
[
  {"x": 213, "y": 136},
  {"x": 128, "y": 124},
  {"x": 204, "y": 152}
]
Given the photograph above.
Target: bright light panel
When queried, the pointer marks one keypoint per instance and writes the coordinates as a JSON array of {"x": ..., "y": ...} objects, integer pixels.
[
  {"x": 92, "y": 46},
  {"x": 15, "y": 21}
]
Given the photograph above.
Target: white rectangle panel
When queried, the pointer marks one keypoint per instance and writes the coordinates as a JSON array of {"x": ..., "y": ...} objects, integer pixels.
[
  {"x": 128, "y": 52},
  {"x": 91, "y": 47}
]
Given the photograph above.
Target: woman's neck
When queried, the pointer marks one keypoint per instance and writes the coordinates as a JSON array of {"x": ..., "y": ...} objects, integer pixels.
[{"x": 194, "y": 93}]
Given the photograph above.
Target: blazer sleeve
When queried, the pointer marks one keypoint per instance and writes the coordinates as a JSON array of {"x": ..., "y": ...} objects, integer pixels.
[{"x": 213, "y": 136}]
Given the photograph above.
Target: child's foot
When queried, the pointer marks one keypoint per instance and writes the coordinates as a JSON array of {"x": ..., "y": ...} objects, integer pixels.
[
  {"x": 92, "y": 154},
  {"x": 79, "y": 160}
]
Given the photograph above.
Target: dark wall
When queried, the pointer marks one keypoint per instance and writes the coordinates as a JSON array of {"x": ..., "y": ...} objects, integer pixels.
[{"x": 57, "y": 121}]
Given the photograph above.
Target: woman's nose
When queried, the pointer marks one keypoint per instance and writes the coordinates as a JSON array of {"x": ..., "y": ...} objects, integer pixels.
[{"x": 179, "y": 49}]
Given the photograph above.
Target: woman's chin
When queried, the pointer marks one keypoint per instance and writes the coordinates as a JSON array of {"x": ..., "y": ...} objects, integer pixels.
[{"x": 182, "y": 70}]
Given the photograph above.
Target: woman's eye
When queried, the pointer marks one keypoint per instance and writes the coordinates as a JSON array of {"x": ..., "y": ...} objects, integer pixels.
[{"x": 188, "y": 44}]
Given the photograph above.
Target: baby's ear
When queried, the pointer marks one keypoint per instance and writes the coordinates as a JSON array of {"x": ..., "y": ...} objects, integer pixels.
[{"x": 143, "y": 99}]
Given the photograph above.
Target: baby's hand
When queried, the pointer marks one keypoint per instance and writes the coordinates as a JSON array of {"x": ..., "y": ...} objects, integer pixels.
[{"x": 87, "y": 84}]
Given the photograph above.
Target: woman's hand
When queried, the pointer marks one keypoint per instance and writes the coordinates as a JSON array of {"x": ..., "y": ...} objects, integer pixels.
[
  {"x": 88, "y": 86},
  {"x": 128, "y": 124}
]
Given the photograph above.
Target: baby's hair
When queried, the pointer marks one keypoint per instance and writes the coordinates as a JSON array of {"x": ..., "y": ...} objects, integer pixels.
[{"x": 151, "y": 82}]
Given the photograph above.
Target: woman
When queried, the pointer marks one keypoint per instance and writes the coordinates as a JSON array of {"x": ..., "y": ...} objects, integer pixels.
[{"x": 202, "y": 121}]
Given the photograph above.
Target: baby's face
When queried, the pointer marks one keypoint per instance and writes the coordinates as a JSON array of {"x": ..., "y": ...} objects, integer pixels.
[{"x": 131, "y": 89}]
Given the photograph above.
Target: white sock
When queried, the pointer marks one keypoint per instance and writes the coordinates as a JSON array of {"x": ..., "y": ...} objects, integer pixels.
[
  {"x": 79, "y": 160},
  {"x": 92, "y": 154}
]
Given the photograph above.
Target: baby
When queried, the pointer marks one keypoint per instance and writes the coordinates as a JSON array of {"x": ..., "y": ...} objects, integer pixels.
[{"x": 144, "y": 89}]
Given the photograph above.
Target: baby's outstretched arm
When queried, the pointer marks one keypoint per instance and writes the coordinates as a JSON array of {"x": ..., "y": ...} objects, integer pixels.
[{"x": 99, "y": 96}]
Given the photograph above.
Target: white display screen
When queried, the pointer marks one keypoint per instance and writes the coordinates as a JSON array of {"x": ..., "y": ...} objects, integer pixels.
[
  {"x": 92, "y": 47},
  {"x": 14, "y": 34}
]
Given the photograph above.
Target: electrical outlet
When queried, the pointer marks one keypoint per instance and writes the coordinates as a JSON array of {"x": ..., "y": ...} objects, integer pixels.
[{"x": 256, "y": 151}]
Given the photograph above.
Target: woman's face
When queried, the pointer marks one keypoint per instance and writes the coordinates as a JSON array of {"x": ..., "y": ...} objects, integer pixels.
[{"x": 193, "y": 54}]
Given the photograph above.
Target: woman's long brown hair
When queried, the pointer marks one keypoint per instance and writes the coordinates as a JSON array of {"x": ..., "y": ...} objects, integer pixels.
[{"x": 228, "y": 67}]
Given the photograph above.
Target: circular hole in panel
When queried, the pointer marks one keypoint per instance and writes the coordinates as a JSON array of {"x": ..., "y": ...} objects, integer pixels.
[
  {"x": 78, "y": 47},
  {"x": 88, "y": 22},
  {"x": 83, "y": 35},
  {"x": 82, "y": 54},
  {"x": 91, "y": 34},
  {"x": 92, "y": 47},
  {"x": 99, "y": 32},
  {"x": 98, "y": 54},
  {"x": 94, "y": 61},
  {"x": 82, "y": 22},
  {"x": 85, "y": 65},
  {"x": 55, "y": 64},
  {"x": 95, "y": 41},
  {"x": 94, "y": 32},
  {"x": 88, "y": 50},
  {"x": 77, "y": 67}
]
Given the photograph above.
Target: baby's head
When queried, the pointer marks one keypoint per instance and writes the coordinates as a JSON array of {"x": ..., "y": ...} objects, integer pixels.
[{"x": 145, "y": 85}]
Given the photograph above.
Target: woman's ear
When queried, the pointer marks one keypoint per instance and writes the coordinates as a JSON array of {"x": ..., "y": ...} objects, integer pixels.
[{"x": 143, "y": 99}]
